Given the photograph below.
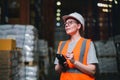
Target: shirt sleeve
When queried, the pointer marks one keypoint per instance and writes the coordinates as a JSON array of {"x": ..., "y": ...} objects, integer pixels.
[
  {"x": 92, "y": 58},
  {"x": 56, "y": 61}
]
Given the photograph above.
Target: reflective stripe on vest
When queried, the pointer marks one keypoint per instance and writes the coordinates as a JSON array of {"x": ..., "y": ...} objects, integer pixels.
[
  {"x": 75, "y": 70},
  {"x": 62, "y": 45},
  {"x": 82, "y": 51}
]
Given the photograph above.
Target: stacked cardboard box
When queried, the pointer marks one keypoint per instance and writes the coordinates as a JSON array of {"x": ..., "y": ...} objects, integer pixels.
[
  {"x": 9, "y": 65},
  {"x": 9, "y": 60},
  {"x": 7, "y": 44}
]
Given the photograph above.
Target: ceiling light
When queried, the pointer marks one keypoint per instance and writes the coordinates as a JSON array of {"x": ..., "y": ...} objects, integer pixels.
[{"x": 58, "y": 3}]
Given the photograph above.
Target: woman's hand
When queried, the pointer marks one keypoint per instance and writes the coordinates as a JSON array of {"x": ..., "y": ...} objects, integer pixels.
[
  {"x": 59, "y": 68},
  {"x": 70, "y": 56},
  {"x": 88, "y": 69}
]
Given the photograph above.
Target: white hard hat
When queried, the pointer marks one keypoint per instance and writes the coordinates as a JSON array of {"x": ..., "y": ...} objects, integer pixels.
[{"x": 76, "y": 16}]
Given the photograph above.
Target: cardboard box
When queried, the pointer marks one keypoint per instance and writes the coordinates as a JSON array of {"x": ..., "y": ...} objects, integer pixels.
[
  {"x": 7, "y": 44},
  {"x": 9, "y": 59},
  {"x": 9, "y": 74}
]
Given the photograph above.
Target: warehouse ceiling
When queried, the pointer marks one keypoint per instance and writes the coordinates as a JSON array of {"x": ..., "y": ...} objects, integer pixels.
[{"x": 68, "y": 6}]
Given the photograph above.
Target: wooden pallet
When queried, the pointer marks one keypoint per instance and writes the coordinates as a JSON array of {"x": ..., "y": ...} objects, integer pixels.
[{"x": 30, "y": 63}]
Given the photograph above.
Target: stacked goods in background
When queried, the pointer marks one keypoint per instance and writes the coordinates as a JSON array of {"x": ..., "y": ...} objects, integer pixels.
[
  {"x": 117, "y": 43},
  {"x": 44, "y": 57},
  {"x": 29, "y": 72},
  {"x": 9, "y": 60},
  {"x": 26, "y": 37},
  {"x": 107, "y": 56}
]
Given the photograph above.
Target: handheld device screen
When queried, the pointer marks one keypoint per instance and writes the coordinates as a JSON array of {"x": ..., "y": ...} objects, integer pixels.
[{"x": 61, "y": 58}]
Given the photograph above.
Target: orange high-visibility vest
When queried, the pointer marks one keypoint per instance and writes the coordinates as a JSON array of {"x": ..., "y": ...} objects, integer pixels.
[{"x": 79, "y": 55}]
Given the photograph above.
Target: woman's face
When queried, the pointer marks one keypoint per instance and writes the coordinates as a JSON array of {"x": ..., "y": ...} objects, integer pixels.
[{"x": 71, "y": 26}]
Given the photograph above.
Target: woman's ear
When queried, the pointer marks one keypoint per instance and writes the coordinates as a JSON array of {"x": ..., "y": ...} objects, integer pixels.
[{"x": 79, "y": 26}]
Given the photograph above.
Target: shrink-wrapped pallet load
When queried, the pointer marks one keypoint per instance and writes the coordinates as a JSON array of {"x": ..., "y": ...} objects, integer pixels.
[
  {"x": 107, "y": 57},
  {"x": 26, "y": 37}
]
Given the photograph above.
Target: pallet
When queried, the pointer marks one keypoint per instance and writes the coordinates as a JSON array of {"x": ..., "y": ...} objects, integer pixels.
[{"x": 30, "y": 63}]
